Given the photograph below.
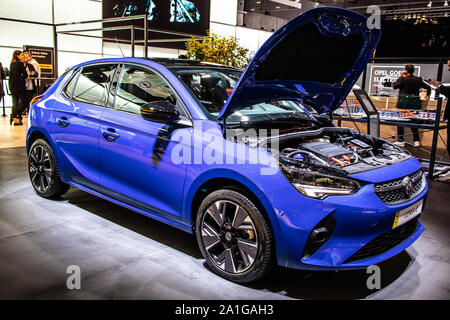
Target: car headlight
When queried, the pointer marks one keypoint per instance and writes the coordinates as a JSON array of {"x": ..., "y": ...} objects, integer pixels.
[{"x": 319, "y": 185}]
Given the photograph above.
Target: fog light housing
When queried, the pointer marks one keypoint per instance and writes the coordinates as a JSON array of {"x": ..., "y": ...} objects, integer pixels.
[{"x": 321, "y": 233}]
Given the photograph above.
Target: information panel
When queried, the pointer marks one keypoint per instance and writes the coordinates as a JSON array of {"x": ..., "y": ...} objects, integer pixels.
[{"x": 45, "y": 56}]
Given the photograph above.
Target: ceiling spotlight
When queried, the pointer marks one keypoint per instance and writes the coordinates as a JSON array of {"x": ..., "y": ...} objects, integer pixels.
[{"x": 429, "y": 4}]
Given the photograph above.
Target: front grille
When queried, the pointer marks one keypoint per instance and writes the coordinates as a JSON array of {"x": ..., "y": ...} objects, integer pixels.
[
  {"x": 385, "y": 242},
  {"x": 402, "y": 189}
]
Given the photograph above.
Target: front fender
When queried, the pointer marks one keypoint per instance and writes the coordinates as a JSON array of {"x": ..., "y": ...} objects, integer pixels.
[{"x": 233, "y": 175}]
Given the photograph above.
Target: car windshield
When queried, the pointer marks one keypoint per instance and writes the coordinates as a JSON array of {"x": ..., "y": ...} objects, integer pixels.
[{"x": 211, "y": 86}]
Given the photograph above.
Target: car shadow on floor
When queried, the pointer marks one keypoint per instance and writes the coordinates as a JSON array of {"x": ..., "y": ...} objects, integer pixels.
[
  {"x": 297, "y": 284},
  {"x": 349, "y": 284},
  {"x": 134, "y": 221}
]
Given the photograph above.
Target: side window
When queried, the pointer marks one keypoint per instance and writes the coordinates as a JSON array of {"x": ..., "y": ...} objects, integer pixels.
[
  {"x": 68, "y": 90},
  {"x": 138, "y": 86},
  {"x": 92, "y": 84},
  {"x": 112, "y": 87}
]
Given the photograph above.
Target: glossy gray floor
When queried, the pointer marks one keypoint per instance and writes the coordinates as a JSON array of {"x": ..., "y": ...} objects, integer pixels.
[{"x": 124, "y": 255}]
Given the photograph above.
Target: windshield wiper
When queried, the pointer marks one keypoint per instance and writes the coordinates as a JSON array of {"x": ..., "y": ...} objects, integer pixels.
[{"x": 277, "y": 120}]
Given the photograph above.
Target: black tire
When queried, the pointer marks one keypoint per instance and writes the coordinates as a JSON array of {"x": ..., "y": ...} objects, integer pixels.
[
  {"x": 43, "y": 171},
  {"x": 241, "y": 260}
]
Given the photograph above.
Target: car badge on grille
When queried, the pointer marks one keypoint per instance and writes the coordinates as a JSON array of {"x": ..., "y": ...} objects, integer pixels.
[{"x": 407, "y": 183}]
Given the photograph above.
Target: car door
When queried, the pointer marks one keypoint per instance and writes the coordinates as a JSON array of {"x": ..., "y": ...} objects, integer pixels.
[
  {"x": 135, "y": 153},
  {"x": 76, "y": 126}
]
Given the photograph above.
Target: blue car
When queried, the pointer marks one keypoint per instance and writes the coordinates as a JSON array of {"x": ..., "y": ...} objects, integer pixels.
[{"x": 243, "y": 160}]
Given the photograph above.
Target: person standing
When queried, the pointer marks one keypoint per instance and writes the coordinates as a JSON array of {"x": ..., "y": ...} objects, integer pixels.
[
  {"x": 36, "y": 66},
  {"x": 444, "y": 90},
  {"x": 17, "y": 76},
  {"x": 409, "y": 98},
  {"x": 2, "y": 77},
  {"x": 30, "y": 83}
]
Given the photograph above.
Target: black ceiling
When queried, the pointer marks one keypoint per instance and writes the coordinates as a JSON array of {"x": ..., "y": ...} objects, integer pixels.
[{"x": 410, "y": 28}]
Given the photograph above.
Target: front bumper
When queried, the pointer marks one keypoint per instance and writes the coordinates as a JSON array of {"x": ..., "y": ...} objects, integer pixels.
[{"x": 360, "y": 219}]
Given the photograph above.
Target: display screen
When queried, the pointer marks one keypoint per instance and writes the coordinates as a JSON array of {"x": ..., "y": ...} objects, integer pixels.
[
  {"x": 186, "y": 16},
  {"x": 365, "y": 101}
]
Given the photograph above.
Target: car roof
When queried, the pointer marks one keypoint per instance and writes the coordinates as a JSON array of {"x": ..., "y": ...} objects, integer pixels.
[
  {"x": 166, "y": 62},
  {"x": 174, "y": 62}
]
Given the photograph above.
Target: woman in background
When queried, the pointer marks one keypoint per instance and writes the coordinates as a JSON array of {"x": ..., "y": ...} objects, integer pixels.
[
  {"x": 17, "y": 76},
  {"x": 30, "y": 83}
]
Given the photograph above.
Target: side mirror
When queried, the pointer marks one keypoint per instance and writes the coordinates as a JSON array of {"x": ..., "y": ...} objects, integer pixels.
[{"x": 160, "y": 111}]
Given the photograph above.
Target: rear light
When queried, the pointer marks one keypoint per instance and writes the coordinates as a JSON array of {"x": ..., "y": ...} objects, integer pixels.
[{"x": 35, "y": 99}]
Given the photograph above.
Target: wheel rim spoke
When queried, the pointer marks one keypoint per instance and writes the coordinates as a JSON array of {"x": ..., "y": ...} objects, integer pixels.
[
  {"x": 239, "y": 217},
  {"x": 230, "y": 264},
  {"x": 216, "y": 214},
  {"x": 33, "y": 167},
  {"x": 248, "y": 251},
  {"x": 210, "y": 236},
  {"x": 41, "y": 183},
  {"x": 34, "y": 157},
  {"x": 46, "y": 179},
  {"x": 41, "y": 159}
]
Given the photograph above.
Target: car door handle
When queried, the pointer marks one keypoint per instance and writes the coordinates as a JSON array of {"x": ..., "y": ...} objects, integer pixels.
[
  {"x": 62, "y": 122},
  {"x": 110, "y": 134}
]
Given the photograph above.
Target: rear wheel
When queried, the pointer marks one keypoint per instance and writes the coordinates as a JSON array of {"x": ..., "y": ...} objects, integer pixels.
[
  {"x": 43, "y": 170},
  {"x": 234, "y": 237}
]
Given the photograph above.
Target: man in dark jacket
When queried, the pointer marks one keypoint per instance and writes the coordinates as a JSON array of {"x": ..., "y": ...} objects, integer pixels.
[
  {"x": 445, "y": 90},
  {"x": 409, "y": 98}
]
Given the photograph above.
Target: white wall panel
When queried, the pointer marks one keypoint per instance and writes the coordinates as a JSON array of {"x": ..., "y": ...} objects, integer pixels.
[
  {"x": 69, "y": 59},
  {"x": 5, "y": 59},
  {"x": 223, "y": 11},
  {"x": 77, "y": 10},
  {"x": 17, "y": 34},
  {"x": 249, "y": 38},
  {"x": 111, "y": 49},
  {"x": 79, "y": 43},
  {"x": 28, "y": 10},
  {"x": 223, "y": 29}
]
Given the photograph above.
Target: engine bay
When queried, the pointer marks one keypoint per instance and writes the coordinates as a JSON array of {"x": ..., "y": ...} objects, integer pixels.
[{"x": 339, "y": 149}]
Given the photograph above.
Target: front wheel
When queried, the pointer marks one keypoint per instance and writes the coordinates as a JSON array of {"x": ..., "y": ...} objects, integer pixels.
[
  {"x": 43, "y": 170},
  {"x": 234, "y": 237}
]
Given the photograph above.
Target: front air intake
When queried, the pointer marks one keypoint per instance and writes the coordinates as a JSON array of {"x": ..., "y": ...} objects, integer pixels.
[{"x": 319, "y": 236}]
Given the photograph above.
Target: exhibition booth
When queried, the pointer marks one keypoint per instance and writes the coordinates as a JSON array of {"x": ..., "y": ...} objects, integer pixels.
[{"x": 222, "y": 150}]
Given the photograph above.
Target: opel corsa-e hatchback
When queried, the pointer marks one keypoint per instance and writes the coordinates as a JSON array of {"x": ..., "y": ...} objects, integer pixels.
[{"x": 150, "y": 135}]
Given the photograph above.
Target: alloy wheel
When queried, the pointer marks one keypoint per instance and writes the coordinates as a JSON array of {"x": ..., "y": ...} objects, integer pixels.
[
  {"x": 229, "y": 236},
  {"x": 40, "y": 168}
]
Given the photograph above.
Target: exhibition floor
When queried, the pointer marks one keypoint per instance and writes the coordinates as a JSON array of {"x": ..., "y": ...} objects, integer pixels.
[{"x": 124, "y": 255}]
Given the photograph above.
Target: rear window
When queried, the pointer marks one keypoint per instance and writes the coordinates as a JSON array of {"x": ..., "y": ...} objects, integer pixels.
[{"x": 91, "y": 86}]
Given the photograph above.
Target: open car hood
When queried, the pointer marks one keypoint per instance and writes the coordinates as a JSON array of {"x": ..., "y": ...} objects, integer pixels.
[{"x": 316, "y": 57}]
